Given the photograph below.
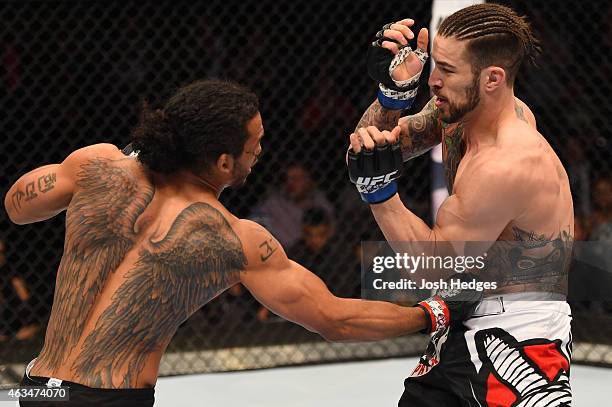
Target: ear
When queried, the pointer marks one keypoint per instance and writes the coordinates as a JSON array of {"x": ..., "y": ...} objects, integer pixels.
[
  {"x": 494, "y": 78},
  {"x": 225, "y": 163}
]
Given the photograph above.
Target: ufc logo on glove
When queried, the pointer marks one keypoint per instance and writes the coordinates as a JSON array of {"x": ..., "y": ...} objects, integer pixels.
[
  {"x": 371, "y": 181},
  {"x": 374, "y": 171}
]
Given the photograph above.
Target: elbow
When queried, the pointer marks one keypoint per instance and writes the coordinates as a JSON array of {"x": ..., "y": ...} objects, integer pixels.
[
  {"x": 334, "y": 334},
  {"x": 12, "y": 214},
  {"x": 333, "y": 329}
]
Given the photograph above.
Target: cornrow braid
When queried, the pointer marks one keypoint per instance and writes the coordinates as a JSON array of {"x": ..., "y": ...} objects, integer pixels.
[{"x": 496, "y": 35}]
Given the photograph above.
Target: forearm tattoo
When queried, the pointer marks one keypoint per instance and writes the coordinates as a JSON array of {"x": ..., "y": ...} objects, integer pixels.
[
  {"x": 41, "y": 185},
  {"x": 420, "y": 132},
  {"x": 376, "y": 115},
  {"x": 199, "y": 257}
]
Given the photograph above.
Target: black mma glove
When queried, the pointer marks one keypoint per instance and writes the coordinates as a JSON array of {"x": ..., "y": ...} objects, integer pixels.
[
  {"x": 374, "y": 171},
  {"x": 450, "y": 305},
  {"x": 392, "y": 94}
]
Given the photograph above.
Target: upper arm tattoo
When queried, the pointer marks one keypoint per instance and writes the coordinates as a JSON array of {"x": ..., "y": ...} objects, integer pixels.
[
  {"x": 376, "y": 115},
  {"x": 267, "y": 248},
  {"x": 420, "y": 132},
  {"x": 43, "y": 184}
]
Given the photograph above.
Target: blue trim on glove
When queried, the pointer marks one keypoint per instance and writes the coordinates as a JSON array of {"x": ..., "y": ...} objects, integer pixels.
[
  {"x": 394, "y": 104},
  {"x": 380, "y": 195}
]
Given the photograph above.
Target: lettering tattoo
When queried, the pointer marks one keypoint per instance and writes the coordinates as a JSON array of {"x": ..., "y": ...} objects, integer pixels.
[
  {"x": 30, "y": 191},
  {"x": 198, "y": 258},
  {"x": 267, "y": 249},
  {"x": 16, "y": 199},
  {"x": 45, "y": 183},
  {"x": 376, "y": 115}
]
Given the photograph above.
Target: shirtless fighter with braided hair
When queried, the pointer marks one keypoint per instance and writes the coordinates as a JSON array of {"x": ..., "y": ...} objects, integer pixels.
[{"x": 507, "y": 187}]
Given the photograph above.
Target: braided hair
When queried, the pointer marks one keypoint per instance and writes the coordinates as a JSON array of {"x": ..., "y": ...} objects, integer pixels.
[{"x": 496, "y": 35}]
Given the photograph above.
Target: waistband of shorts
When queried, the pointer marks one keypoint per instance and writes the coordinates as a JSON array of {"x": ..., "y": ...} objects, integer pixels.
[
  {"x": 521, "y": 301},
  {"x": 55, "y": 382}
]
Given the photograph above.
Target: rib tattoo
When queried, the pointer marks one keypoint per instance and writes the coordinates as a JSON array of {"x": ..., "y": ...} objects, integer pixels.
[{"x": 531, "y": 262}]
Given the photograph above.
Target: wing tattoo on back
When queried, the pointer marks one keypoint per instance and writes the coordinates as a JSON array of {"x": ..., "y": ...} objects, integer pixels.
[
  {"x": 99, "y": 224},
  {"x": 199, "y": 257}
]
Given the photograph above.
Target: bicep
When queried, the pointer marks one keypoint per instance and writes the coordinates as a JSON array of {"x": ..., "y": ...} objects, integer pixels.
[{"x": 480, "y": 210}]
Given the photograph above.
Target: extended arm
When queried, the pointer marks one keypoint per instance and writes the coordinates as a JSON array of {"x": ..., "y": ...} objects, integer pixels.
[{"x": 298, "y": 295}]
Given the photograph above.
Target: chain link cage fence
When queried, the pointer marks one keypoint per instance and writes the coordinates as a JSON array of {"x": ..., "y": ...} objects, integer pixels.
[{"x": 75, "y": 73}]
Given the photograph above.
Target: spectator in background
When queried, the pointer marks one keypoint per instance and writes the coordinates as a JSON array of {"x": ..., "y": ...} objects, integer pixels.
[
  {"x": 602, "y": 233},
  {"x": 577, "y": 162},
  {"x": 332, "y": 260},
  {"x": 16, "y": 314},
  {"x": 281, "y": 212},
  {"x": 602, "y": 218}
]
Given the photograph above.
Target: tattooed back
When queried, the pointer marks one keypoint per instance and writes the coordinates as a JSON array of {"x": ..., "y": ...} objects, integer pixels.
[{"x": 140, "y": 256}]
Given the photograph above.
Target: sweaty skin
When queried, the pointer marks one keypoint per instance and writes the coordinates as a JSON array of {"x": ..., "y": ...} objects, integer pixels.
[
  {"x": 143, "y": 252},
  {"x": 506, "y": 183}
]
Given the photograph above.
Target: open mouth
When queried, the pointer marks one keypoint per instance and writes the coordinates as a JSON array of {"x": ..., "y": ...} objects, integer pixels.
[{"x": 440, "y": 101}]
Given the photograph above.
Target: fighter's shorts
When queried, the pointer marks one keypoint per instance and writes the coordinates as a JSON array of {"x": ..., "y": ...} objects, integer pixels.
[
  {"x": 80, "y": 395},
  {"x": 510, "y": 353}
]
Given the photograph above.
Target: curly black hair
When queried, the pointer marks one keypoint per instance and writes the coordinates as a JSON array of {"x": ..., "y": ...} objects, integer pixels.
[{"x": 195, "y": 126}]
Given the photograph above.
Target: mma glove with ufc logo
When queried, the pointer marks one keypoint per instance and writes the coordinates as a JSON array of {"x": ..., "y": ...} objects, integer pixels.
[{"x": 374, "y": 172}]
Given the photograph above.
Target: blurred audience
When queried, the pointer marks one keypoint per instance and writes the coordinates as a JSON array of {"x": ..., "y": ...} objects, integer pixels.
[
  {"x": 326, "y": 255},
  {"x": 283, "y": 209},
  {"x": 602, "y": 216},
  {"x": 17, "y": 317},
  {"x": 578, "y": 164}
]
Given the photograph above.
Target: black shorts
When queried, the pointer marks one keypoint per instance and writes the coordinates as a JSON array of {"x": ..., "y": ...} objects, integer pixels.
[
  {"x": 434, "y": 388},
  {"x": 509, "y": 353},
  {"x": 88, "y": 396}
]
